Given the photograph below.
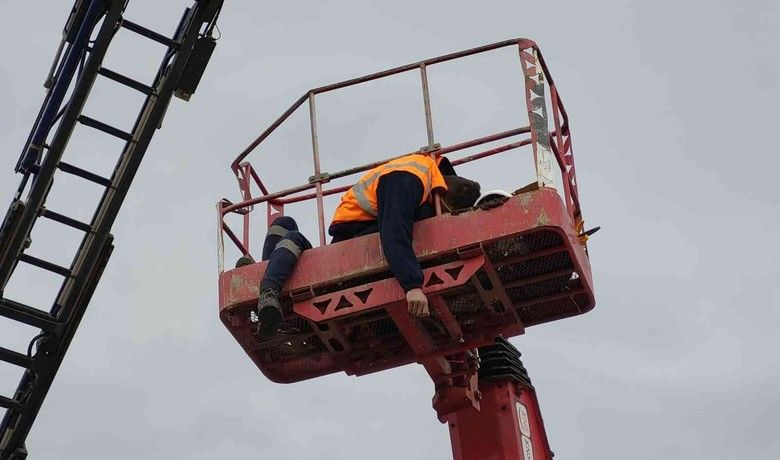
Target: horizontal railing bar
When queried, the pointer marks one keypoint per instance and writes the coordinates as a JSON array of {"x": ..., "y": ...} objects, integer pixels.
[
  {"x": 366, "y": 167},
  {"x": 491, "y": 152},
  {"x": 309, "y": 196},
  {"x": 485, "y": 140},
  {"x": 344, "y": 188},
  {"x": 268, "y": 131},
  {"x": 264, "y": 198},
  {"x": 369, "y": 77},
  {"x": 415, "y": 66}
]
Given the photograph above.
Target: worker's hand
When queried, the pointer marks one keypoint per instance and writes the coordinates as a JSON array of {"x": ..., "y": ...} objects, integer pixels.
[
  {"x": 493, "y": 203},
  {"x": 418, "y": 303}
]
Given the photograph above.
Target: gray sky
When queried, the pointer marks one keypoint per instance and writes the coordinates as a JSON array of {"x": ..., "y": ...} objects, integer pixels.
[{"x": 671, "y": 110}]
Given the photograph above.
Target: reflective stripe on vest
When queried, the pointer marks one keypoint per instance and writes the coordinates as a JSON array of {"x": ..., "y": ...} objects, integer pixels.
[{"x": 361, "y": 188}]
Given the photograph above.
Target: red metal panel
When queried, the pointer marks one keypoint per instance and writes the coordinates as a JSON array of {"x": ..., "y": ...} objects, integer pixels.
[{"x": 384, "y": 292}]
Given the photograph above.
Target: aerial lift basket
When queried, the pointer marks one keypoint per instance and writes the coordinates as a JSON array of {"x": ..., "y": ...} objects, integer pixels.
[{"x": 490, "y": 273}]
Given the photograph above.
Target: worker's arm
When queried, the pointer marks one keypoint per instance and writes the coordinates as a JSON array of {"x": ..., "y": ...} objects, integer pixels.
[{"x": 398, "y": 196}]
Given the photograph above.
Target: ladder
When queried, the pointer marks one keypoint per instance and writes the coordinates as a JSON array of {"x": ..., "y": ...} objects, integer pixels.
[{"x": 86, "y": 37}]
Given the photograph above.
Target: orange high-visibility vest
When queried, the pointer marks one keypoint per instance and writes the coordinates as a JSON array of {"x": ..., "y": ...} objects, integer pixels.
[{"x": 360, "y": 202}]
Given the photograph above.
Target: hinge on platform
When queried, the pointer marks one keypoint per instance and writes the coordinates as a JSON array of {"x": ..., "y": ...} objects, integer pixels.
[
  {"x": 430, "y": 148},
  {"x": 322, "y": 178}
]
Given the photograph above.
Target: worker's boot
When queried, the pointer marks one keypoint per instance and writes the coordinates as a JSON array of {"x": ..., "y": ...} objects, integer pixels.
[{"x": 269, "y": 312}]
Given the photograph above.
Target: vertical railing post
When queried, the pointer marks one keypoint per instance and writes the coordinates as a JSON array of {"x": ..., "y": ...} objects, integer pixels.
[
  {"x": 247, "y": 195},
  {"x": 537, "y": 115},
  {"x": 431, "y": 147},
  {"x": 561, "y": 151},
  {"x": 220, "y": 239},
  {"x": 427, "y": 105},
  {"x": 317, "y": 171}
]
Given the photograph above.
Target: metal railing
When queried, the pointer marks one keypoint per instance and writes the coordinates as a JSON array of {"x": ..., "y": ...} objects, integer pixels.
[{"x": 547, "y": 146}]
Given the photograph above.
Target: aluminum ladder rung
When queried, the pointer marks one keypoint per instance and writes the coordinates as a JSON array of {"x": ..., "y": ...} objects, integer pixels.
[
  {"x": 124, "y": 80},
  {"x": 150, "y": 34},
  {"x": 46, "y": 265},
  {"x": 108, "y": 129},
  {"x": 84, "y": 174},
  {"x": 65, "y": 220},
  {"x": 15, "y": 358},
  {"x": 28, "y": 315}
]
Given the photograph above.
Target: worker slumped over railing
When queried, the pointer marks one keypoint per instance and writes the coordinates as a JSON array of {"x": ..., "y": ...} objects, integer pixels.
[{"x": 388, "y": 200}]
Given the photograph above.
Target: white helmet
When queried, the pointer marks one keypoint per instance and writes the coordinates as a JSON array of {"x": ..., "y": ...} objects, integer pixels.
[{"x": 492, "y": 194}]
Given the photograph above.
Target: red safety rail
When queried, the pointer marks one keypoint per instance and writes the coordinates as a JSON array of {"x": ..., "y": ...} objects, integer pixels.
[{"x": 491, "y": 273}]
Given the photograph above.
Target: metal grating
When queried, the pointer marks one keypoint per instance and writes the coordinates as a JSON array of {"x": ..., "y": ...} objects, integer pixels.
[
  {"x": 522, "y": 244},
  {"x": 292, "y": 347},
  {"x": 533, "y": 267},
  {"x": 540, "y": 289},
  {"x": 553, "y": 309},
  {"x": 463, "y": 303}
]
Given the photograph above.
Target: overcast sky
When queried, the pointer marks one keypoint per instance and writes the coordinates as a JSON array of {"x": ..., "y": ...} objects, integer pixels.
[{"x": 672, "y": 108}]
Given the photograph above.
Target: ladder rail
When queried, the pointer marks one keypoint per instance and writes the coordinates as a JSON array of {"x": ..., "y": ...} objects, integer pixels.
[
  {"x": 18, "y": 420},
  {"x": 58, "y": 83},
  {"x": 60, "y": 324},
  {"x": 45, "y": 174}
]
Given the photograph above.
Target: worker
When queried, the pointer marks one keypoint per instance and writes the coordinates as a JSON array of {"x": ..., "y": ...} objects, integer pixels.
[{"x": 387, "y": 199}]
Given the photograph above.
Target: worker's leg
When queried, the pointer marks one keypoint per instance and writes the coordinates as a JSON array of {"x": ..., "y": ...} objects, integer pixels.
[
  {"x": 398, "y": 198},
  {"x": 281, "y": 262},
  {"x": 277, "y": 230},
  {"x": 283, "y": 259}
]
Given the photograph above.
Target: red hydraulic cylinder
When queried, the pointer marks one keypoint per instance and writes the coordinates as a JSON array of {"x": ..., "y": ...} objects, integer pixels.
[{"x": 508, "y": 425}]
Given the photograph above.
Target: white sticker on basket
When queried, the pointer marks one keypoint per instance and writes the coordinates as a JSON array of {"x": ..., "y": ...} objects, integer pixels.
[
  {"x": 528, "y": 448},
  {"x": 522, "y": 415}
]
